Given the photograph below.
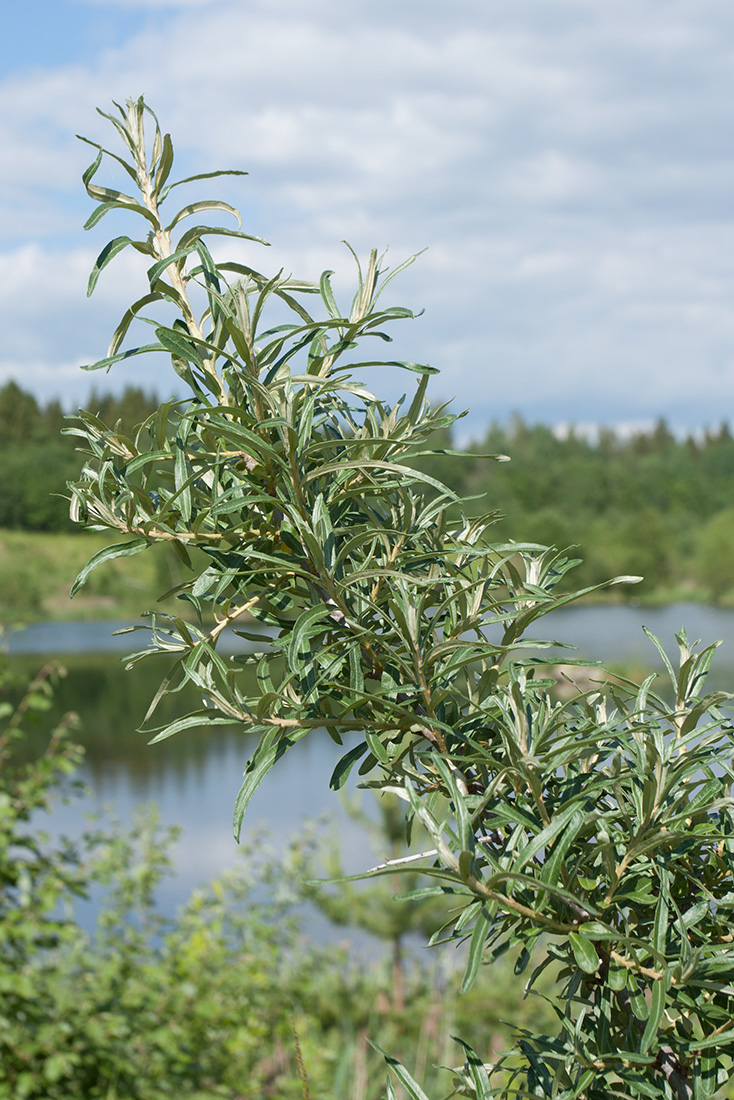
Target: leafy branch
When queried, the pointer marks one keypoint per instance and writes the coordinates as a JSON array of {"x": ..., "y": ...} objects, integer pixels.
[{"x": 592, "y": 837}]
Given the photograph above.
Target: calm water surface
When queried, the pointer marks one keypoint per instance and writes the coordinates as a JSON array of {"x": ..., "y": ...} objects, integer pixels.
[
  {"x": 610, "y": 632},
  {"x": 194, "y": 777}
]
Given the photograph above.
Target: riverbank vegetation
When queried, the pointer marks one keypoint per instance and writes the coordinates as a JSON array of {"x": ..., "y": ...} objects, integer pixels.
[
  {"x": 592, "y": 837},
  {"x": 35, "y": 567},
  {"x": 225, "y": 999},
  {"x": 647, "y": 503}
]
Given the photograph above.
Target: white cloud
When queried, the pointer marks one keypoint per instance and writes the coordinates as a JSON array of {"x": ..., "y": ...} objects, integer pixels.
[
  {"x": 41, "y": 376},
  {"x": 568, "y": 167},
  {"x": 551, "y": 177}
]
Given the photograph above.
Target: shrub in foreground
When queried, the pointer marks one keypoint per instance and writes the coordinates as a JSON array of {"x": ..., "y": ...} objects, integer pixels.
[
  {"x": 596, "y": 831},
  {"x": 204, "y": 1004}
]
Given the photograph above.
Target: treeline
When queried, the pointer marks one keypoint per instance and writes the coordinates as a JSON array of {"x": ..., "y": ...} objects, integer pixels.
[
  {"x": 36, "y": 461},
  {"x": 648, "y": 503}
]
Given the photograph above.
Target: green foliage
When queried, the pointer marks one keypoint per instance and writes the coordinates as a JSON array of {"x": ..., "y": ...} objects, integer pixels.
[
  {"x": 35, "y": 568},
  {"x": 32, "y": 489},
  {"x": 634, "y": 504},
  {"x": 715, "y": 559},
  {"x": 35, "y": 463},
  {"x": 33, "y": 879},
  {"x": 610, "y": 831},
  {"x": 20, "y": 417},
  {"x": 198, "y": 1006},
  {"x": 638, "y": 505},
  {"x": 592, "y": 837}
]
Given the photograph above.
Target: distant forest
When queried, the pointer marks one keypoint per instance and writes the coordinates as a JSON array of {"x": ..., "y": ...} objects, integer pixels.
[
  {"x": 36, "y": 461},
  {"x": 647, "y": 503}
]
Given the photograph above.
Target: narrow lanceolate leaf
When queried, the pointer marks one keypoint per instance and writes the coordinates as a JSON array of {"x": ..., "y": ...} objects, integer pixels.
[
  {"x": 177, "y": 344},
  {"x": 476, "y": 1070},
  {"x": 117, "y": 550},
  {"x": 706, "y": 1077},
  {"x": 546, "y": 835},
  {"x": 377, "y": 748},
  {"x": 203, "y": 176},
  {"x": 345, "y": 765},
  {"x": 299, "y": 640},
  {"x": 110, "y": 360},
  {"x": 165, "y": 164},
  {"x": 327, "y": 295},
  {"x": 658, "y": 995},
  {"x": 200, "y": 719},
  {"x": 663, "y": 655},
  {"x": 198, "y": 207},
  {"x": 272, "y": 745},
  {"x": 129, "y": 316},
  {"x": 98, "y": 213},
  {"x": 111, "y": 200},
  {"x": 411, "y": 1086},
  {"x": 476, "y": 950},
  {"x": 90, "y": 171},
  {"x": 657, "y": 1008},
  {"x": 196, "y": 232},
  {"x": 584, "y": 953},
  {"x": 157, "y": 269},
  {"x": 107, "y": 254},
  {"x": 554, "y": 860},
  {"x": 638, "y": 1002},
  {"x": 716, "y": 1040},
  {"x": 392, "y": 467}
]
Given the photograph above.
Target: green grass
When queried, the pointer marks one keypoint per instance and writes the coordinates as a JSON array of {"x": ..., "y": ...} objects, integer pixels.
[{"x": 37, "y": 571}]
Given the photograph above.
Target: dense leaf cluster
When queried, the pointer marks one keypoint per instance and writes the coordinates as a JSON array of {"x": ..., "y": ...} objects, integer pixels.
[{"x": 597, "y": 831}]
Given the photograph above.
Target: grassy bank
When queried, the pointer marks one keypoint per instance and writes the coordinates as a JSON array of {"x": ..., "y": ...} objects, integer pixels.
[{"x": 37, "y": 570}]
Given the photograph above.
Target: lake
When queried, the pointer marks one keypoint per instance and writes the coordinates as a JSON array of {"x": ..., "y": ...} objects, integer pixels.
[{"x": 194, "y": 777}]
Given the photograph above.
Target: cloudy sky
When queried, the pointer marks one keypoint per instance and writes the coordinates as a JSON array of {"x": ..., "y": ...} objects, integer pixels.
[{"x": 567, "y": 164}]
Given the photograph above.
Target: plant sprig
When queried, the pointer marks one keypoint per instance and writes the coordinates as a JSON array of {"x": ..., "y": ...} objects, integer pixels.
[{"x": 594, "y": 836}]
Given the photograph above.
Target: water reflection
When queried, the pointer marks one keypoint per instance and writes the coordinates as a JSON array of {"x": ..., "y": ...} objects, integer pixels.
[
  {"x": 192, "y": 777},
  {"x": 195, "y": 775}
]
